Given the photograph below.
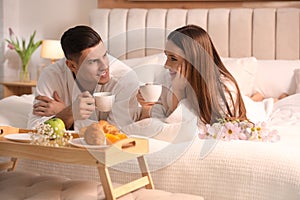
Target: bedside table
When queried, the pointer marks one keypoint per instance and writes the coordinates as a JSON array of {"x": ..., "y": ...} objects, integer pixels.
[{"x": 17, "y": 88}]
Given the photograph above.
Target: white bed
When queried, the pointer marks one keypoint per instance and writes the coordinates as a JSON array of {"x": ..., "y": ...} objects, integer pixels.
[{"x": 263, "y": 44}]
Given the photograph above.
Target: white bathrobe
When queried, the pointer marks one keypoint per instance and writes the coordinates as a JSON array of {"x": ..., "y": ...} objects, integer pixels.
[{"x": 123, "y": 83}]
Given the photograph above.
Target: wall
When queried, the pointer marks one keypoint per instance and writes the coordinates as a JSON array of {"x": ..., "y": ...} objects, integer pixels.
[
  {"x": 50, "y": 18},
  {"x": 1, "y": 43},
  {"x": 196, "y": 3}
]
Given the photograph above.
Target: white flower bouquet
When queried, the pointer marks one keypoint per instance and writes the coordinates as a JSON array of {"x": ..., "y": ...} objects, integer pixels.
[{"x": 239, "y": 130}]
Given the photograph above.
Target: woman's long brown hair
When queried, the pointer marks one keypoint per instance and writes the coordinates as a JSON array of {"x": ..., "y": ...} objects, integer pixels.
[{"x": 206, "y": 75}]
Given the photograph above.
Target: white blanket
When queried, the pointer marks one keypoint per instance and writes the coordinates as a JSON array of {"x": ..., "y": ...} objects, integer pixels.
[
  {"x": 233, "y": 170},
  {"x": 286, "y": 111},
  {"x": 214, "y": 169},
  {"x": 14, "y": 110}
]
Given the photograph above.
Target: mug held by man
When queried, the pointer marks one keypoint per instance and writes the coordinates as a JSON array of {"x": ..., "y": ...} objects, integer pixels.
[{"x": 104, "y": 101}]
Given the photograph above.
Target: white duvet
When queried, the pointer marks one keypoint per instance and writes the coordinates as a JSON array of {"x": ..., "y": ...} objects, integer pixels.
[
  {"x": 14, "y": 110},
  {"x": 216, "y": 170},
  {"x": 235, "y": 169}
]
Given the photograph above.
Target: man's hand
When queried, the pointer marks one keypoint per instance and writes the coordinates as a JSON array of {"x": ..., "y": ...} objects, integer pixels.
[
  {"x": 83, "y": 106},
  {"x": 47, "y": 106}
]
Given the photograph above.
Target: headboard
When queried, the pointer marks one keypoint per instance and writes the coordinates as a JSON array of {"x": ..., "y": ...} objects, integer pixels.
[{"x": 265, "y": 33}]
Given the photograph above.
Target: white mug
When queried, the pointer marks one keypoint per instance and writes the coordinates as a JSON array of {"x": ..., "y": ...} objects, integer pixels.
[
  {"x": 104, "y": 101},
  {"x": 151, "y": 92}
]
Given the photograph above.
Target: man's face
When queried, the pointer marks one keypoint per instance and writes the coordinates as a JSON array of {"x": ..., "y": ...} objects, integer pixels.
[{"x": 92, "y": 67}]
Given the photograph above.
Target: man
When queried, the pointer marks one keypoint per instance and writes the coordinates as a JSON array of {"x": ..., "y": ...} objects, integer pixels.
[{"x": 65, "y": 89}]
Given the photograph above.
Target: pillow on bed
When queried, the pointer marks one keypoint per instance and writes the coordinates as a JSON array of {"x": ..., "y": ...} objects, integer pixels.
[
  {"x": 15, "y": 110},
  {"x": 297, "y": 80},
  {"x": 148, "y": 68},
  {"x": 275, "y": 77},
  {"x": 244, "y": 71}
]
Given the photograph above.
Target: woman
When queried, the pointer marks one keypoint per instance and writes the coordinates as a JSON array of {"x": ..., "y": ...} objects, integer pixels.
[{"x": 198, "y": 76}]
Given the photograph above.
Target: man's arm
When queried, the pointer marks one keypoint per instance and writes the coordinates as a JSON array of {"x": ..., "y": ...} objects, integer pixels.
[
  {"x": 83, "y": 107},
  {"x": 51, "y": 79},
  {"x": 48, "y": 107},
  {"x": 67, "y": 116}
]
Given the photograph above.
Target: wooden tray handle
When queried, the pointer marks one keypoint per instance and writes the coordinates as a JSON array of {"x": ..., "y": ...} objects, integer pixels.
[{"x": 128, "y": 144}]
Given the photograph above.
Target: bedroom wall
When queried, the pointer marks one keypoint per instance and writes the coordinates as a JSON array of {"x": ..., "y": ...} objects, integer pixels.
[
  {"x": 1, "y": 43},
  {"x": 196, "y": 3},
  {"x": 50, "y": 18}
]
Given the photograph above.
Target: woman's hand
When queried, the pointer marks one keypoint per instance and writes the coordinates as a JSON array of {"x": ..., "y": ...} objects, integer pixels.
[
  {"x": 180, "y": 81},
  {"x": 146, "y": 106}
]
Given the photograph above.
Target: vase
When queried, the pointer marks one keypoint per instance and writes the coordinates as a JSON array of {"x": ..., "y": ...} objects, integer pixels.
[{"x": 24, "y": 76}]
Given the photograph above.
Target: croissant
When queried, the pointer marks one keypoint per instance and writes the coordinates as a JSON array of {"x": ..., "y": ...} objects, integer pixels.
[
  {"x": 108, "y": 128},
  {"x": 112, "y": 133},
  {"x": 96, "y": 133}
]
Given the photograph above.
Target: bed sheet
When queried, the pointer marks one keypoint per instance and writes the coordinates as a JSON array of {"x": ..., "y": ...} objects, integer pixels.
[
  {"x": 231, "y": 169},
  {"x": 243, "y": 170},
  {"x": 214, "y": 169}
]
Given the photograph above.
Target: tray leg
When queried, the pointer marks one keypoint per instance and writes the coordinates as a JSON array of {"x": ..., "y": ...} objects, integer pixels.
[
  {"x": 106, "y": 181},
  {"x": 9, "y": 165},
  {"x": 113, "y": 193},
  {"x": 14, "y": 163},
  {"x": 145, "y": 171}
]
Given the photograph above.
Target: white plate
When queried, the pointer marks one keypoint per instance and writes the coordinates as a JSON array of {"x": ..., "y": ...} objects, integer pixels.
[
  {"x": 80, "y": 142},
  {"x": 19, "y": 137},
  {"x": 71, "y": 131}
]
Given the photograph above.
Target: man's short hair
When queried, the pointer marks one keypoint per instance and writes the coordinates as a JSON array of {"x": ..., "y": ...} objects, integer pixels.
[{"x": 77, "y": 39}]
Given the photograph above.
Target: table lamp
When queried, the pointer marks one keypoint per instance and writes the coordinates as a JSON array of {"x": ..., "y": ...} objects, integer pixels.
[{"x": 51, "y": 49}]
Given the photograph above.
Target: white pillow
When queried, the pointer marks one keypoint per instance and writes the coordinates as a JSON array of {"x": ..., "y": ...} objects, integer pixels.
[
  {"x": 297, "y": 79},
  {"x": 15, "y": 110},
  {"x": 244, "y": 72},
  {"x": 147, "y": 68},
  {"x": 275, "y": 77}
]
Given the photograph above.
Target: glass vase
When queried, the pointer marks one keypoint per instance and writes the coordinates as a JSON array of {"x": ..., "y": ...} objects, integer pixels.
[{"x": 24, "y": 76}]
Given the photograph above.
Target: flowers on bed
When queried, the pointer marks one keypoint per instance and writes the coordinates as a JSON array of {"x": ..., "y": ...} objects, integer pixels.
[
  {"x": 239, "y": 130},
  {"x": 45, "y": 135}
]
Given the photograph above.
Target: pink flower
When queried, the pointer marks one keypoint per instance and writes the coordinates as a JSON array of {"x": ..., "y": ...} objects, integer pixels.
[
  {"x": 11, "y": 46},
  {"x": 231, "y": 131},
  {"x": 242, "y": 130},
  {"x": 24, "y": 50},
  {"x": 203, "y": 133},
  {"x": 243, "y": 136},
  {"x": 272, "y": 136}
]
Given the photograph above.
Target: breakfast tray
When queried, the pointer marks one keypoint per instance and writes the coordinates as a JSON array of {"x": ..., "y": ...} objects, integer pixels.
[{"x": 121, "y": 151}]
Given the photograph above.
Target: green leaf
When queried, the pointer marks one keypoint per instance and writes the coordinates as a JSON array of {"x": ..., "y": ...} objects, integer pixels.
[{"x": 25, "y": 52}]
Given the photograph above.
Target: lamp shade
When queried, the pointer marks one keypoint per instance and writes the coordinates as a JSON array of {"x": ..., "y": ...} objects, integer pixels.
[{"x": 52, "y": 49}]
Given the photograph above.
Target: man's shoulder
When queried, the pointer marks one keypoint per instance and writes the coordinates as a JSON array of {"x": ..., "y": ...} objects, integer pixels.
[
  {"x": 58, "y": 67},
  {"x": 57, "y": 72}
]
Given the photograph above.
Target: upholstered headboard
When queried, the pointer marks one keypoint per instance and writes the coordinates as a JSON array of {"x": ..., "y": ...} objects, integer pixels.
[{"x": 265, "y": 33}]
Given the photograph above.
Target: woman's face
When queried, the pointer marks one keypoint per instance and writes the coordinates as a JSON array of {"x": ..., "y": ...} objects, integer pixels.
[{"x": 175, "y": 58}]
